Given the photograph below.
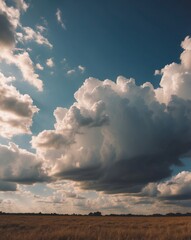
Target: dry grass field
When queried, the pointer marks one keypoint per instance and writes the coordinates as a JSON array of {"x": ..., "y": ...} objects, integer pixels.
[{"x": 18, "y": 227}]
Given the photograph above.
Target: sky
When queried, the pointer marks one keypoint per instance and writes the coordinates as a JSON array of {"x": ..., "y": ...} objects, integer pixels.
[{"x": 95, "y": 106}]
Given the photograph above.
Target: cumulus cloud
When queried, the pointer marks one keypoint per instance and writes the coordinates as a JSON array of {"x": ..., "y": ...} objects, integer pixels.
[
  {"x": 118, "y": 137},
  {"x": 177, "y": 188},
  {"x": 16, "y": 110},
  {"x": 50, "y": 63},
  {"x": 175, "y": 191},
  {"x": 19, "y": 166},
  {"x": 39, "y": 66},
  {"x": 59, "y": 18}
]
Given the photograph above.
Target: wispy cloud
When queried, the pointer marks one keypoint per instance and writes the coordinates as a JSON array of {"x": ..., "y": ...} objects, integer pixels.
[
  {"x": 40, "y": 28},
  {"x": 70, "y": 72},
  {"x": 81, "y": 68},
  {"x": 59, "y": 18},
  {"x": 32, "y": 35}
]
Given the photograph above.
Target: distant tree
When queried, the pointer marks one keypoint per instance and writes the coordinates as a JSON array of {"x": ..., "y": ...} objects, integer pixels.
[{"x": 95, "y": 214}]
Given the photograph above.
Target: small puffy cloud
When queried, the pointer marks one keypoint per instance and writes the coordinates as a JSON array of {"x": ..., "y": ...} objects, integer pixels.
[
  {"x": 157, "y": 72},
  {"x": 16, "y": 110},
  {"x": 50, "y": 63},
  {"x": 59, "y": 18},
  {"x": 39, "y": 66},
  {"x": 118, "y": 137},
  {"x": 70, "y": 72},
  {"x": 63, "y": 61},
  {"x": 81, "y": 68}
]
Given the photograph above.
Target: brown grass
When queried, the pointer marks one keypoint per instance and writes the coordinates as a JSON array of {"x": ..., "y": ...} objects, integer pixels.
[{"x": 18, "y": 227}]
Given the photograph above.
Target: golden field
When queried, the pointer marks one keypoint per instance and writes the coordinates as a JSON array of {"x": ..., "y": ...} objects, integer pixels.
[{"x": 41, "y": 227}]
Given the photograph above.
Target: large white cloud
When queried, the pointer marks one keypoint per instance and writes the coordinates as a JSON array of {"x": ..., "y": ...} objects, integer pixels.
[
  {"x": 117, "y": 137},
  {"x": 16, "y": 111}
]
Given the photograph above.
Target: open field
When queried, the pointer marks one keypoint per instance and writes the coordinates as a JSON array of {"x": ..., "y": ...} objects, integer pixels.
[{"x": 23, "y": 227}]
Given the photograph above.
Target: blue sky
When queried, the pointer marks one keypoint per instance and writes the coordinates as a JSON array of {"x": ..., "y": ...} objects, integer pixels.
[
  {"x": 109, "y": 38},
  {"x": 123, "y": 138}
]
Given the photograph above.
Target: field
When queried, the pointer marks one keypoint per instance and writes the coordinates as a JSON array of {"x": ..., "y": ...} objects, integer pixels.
[{"x": 40, "y": 227}]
